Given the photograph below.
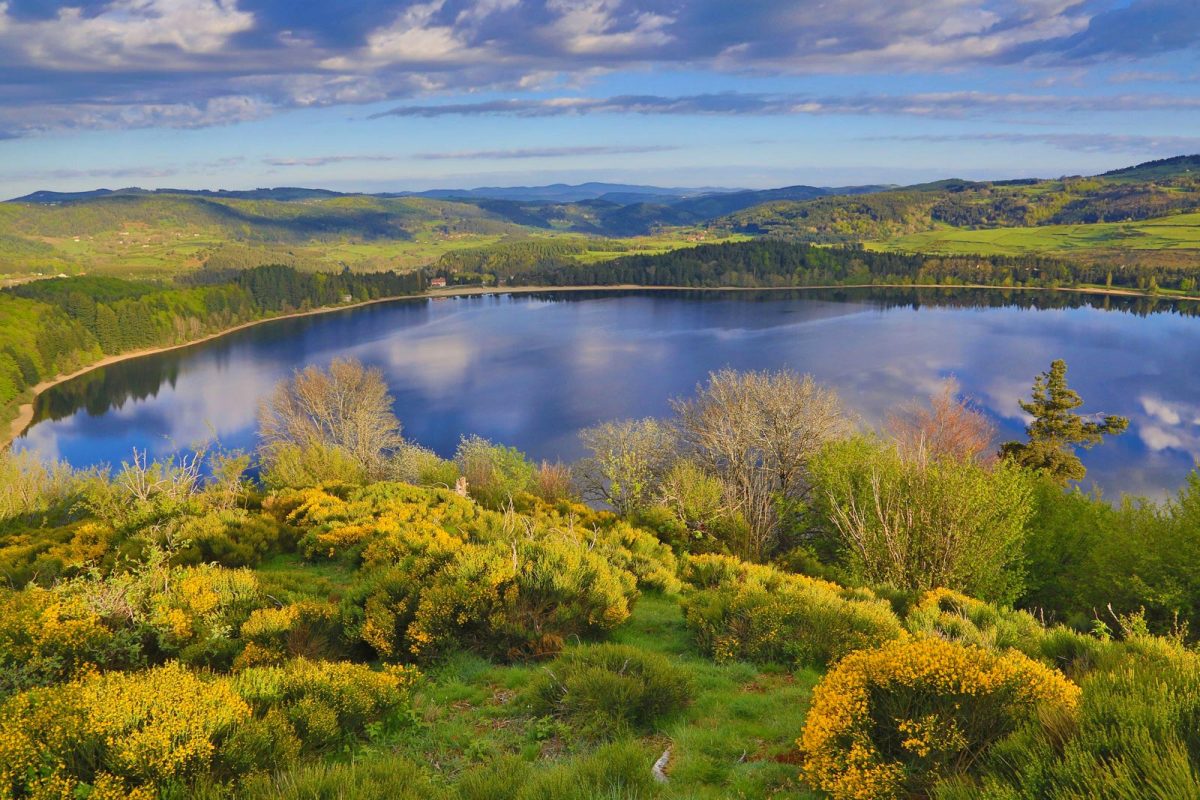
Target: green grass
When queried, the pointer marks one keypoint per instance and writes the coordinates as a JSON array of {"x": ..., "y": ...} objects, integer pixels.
[
  {"x": 142, "y": 251},
  {"x": 735, "y": 740},
  {"x": 1177, "y": 232}
]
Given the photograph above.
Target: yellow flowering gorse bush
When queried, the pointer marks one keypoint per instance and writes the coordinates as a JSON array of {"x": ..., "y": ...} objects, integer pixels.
[
  {"x": 124, "y": 729},
  {"x": 891, "y": 722}
]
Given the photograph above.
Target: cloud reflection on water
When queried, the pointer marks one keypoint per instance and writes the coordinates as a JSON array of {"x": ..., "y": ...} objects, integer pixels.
[{"x": 491, "y": 366}]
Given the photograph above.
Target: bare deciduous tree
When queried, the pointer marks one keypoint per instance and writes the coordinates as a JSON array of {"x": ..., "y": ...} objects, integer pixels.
[
  {"x": 757, "y": 431},
  {"x": 346, "y": 408},
  {"x": 628, "y": 459},
  {"x": 948, "y": 426}
]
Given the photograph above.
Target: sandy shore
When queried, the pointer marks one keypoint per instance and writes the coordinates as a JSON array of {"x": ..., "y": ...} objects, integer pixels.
[{"x": 25, "y": 412}]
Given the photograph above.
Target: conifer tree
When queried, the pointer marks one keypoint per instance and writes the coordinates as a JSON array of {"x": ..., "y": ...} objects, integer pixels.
[{"x": 1056, "y": 430}]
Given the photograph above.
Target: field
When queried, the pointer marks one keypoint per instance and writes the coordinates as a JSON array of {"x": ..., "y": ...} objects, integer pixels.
[
  {"x": 1180, "y": 232},
  {"x": 143, "y": 252}
]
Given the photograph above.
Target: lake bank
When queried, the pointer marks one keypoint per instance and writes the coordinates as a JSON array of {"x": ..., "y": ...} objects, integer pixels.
[{"x": 24, "y": 417}]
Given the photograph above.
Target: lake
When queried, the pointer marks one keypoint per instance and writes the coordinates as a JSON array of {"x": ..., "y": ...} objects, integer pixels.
[{"x": 531, "y": 370}]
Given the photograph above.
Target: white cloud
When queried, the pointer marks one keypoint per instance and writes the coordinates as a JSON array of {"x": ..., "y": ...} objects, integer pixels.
[{"x": 125, "y": 33}]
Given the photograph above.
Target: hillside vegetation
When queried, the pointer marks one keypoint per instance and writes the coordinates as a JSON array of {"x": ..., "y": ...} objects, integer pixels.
[
  {"x": 748, "y": 617},
  {"x": 1143, "y": 215},
  {"x": 1130, "y": 215}
]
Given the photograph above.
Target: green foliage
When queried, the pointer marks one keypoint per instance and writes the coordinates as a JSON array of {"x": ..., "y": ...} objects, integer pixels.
[
  {"x": 1056, "y": 430},
  {"x": 495, "y": 474},
  {"x": 377, "y": 779},
  {"x": 1135, "y": 736},
  {"x": 610, "y": 690},
  {"x": 917, "y": 522},
  {"x": 1086, "y": 556},
  {"x": 518, "y": 599},
  {"x": 738, "y": 610}
]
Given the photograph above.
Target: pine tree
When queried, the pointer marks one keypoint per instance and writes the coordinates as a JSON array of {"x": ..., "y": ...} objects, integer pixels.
[{"x": 1056, "y": 430}]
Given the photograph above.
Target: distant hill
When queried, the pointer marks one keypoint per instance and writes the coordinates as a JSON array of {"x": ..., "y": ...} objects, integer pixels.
[
  {"x": 283, "y": 194},
  {"x": 565, "y": 193},
  {"x": 1158, "y": 170}
]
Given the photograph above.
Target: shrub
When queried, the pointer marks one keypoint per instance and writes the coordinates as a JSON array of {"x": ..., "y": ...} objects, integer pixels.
[
  {"x": 607, "y": 690},
  {"x": 122, "y": 730},
  {"x": 46, "y": 637},
  {"x": 958, "y": 618},
  {"x": 325, "y": 701},
  {"x": 46, "y": 555},
  {"x": 394, "y": 517},
  {"x": 495, "y": 474},
  {"x": 955, "y": 617},
  {"x": 519, "y": 599},
  {"x": 891, "y": 722},
  {"x": 1137, "y": 735},
  {"x": 231, "y": 538},
  {"x": 306, "y": 629},
  {"x": 917, "y": 522},
  {"x": 296, "y": 466},
  {"x": 29, "y": 485},
  {"x": 422, "y": 467},
  {"x": 552, "y": 482},
  {"x": 746, "y": 611}
]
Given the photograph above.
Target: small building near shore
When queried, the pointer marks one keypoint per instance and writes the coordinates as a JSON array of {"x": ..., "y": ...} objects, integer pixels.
[{"x": 437, "y": 283}]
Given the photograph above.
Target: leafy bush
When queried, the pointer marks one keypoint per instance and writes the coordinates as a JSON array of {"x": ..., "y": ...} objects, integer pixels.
[
  {"x": 918, "y": 521},
  {"x": 296, "y": 466},
  {"x": 494, "y": 473},
  {"x": 46, "y": 555},
  {"x": 394, "y": 517},
  {"x": 891, "y": 722},
  {"x": 519, "y": 599},
  {"x": 1137, "y": 735},
  {"x": 305, "y": 629},
  {"x": 607, "y": 690},
  {"x": 955, "y": 617},
  {"x": 325, "y": 701},
  {"x": 29, "y": 485},
  {"x": 232, "y": 538},
  {"x": 747, "y": 611},
  {"x": 46, "y": 637}
]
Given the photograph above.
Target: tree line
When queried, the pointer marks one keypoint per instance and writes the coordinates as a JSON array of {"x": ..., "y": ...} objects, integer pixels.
[{"x": 778, "y": 263}]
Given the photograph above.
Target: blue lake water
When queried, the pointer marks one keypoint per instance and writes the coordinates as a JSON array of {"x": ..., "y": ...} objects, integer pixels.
[{"x": 531, "y": 370}]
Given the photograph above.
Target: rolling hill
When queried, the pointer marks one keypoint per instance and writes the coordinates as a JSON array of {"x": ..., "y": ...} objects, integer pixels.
[{"x": 1143, "y": 213}]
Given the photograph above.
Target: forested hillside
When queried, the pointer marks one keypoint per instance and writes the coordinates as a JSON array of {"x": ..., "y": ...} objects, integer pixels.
[{"x": 52, "y": 327}]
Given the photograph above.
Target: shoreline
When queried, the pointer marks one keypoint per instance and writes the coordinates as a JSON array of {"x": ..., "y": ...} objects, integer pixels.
[
  {"x": 24, "y": 418},
  {"x": 20, "y": 423}
]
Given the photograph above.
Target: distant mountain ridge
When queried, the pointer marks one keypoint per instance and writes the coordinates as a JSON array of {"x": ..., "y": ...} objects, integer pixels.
[{"x": 552, "y": 193}]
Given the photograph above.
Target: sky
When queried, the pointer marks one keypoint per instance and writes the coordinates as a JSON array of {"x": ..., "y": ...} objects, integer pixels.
[{"x": 380, "y": 95}]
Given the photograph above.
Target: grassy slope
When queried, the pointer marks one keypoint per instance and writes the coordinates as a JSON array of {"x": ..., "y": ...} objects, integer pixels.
[
  {"x": 1177, "y": 232},
  {"x": 162, "y": 235},
  {"x": 736, "y": 740}
]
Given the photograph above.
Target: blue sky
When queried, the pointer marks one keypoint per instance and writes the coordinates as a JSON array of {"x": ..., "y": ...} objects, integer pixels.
[{"x": 380, "y": 95}]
